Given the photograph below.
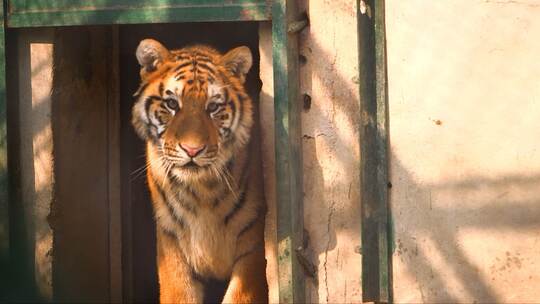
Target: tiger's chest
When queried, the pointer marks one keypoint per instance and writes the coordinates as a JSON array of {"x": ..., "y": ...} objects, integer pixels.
[
  {"x": 200, "y": 217},
  {"x": 208, "y": 245}
]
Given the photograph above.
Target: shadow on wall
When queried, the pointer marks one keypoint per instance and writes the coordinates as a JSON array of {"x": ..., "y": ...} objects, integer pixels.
[
  {"x": 458, "y": 274},
  {"x": 331, "y": 163},
  {"x": 426, "y": 231}
]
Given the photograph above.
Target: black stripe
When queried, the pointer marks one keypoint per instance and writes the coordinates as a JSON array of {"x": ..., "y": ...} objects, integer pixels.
[
  {"x": 241, "y": 97},
  {"x": 207, "y": 68},
  {"x": 249, "y": 225},
  {"x": 182, "y": 57},
  {"x": 188, "y": 190},
  {"x": 140, "y": 90},
  {"x": 183, "y": 91},
  {"x": 231, "y": 104},
  {"x": 149, "y": 134},
  {"x": 245, "y": 171},
  {"x": 230, "y": 164},
  {"x": 243, "y": 255},
  {"x": 204, "y": 59},
  {"x": 237, "y": 206},
  {"x": 184, "y": 186},
  {"x": 225, "y": 96},
  {"x": 147, "y": 104},
  {"x": 241, "y": 100},
  {"x": 162, "y": 112},
  {"x": 161, "y": 89},
  {"x": 169, "y": 233},
  {"x": 220, "y": 196},
  {"x": 160, "y": 134},
  {"x": 212, "y": 183},
  {"x": 154, "y": 97},
  {"x": 175, "y": 216},
  {"x": 182, "y": 65},
  {"x": 223, "y": 76},
  {"x": 180, "y": 75}
]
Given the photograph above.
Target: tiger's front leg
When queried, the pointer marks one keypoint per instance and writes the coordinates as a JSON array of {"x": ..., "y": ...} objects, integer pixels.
[
  {"x": 176, "y": 282},
  {"x": 248, "y": 280}
]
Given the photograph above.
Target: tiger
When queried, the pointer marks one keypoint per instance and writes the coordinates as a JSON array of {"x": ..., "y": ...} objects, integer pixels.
[{"x": 195, "y": 117}]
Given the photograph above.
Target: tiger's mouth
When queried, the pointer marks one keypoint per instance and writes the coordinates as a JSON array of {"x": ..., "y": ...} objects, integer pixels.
[{"x": 191, "y": 165}]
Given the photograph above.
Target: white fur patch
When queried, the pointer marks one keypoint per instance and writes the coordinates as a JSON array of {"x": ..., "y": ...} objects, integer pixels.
[
  {"x": 213, "y": 90},
  {"x": 175, "y": 86}
]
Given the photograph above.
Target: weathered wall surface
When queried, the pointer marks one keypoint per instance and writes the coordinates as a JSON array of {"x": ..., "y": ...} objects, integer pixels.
[
  {"x": 464, "y": 91},
  {"x": 36, "y": 151},
  {"x": 330, "y": 150}
]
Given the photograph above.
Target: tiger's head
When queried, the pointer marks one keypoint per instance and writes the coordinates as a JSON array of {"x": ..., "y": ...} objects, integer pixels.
[{"x": 191, "y": 107}]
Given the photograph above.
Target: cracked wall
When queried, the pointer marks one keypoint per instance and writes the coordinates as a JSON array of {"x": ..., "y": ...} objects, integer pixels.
[
  {"x": 330, "y": 120},
  {"x": 331, "y": 151},
  {"x": 463, "y": 99}
]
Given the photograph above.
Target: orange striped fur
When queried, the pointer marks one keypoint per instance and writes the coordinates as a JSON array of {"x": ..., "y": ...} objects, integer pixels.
[{"x": 196, "y": 118}]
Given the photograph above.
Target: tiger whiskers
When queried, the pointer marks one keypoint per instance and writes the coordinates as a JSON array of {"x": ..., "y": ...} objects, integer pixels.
[
  {"x": 140, "y": 171},
  {"x": 224, "y": 176},
  {"x": 167, "y": 170}
]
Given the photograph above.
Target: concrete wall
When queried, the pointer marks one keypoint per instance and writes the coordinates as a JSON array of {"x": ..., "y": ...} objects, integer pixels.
[
  {"x": 464, "y": 91},
  {"x": 330, "y": 150}
]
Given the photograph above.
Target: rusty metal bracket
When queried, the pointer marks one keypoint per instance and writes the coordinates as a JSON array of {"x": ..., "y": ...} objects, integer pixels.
[{"x": 298, "y": 25}]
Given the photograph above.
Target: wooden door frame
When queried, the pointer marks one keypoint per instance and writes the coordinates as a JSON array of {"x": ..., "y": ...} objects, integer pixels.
[{"x": 287, "y": 118}]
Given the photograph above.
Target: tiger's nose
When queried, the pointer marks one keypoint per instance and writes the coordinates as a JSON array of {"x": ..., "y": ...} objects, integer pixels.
[{"x": 190, "y": 150}]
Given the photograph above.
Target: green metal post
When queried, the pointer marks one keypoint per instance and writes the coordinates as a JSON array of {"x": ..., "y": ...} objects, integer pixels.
[
  {"x": 4, "y": 202},
  {"x": 288, "y": 146},
  {"x": 376, "y": 259}
]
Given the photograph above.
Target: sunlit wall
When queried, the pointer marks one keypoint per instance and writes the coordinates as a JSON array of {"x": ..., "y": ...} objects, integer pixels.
[{"x": 464, "y": 101}]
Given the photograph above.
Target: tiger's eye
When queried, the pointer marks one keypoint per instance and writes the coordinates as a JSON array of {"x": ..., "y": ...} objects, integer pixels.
[
  {"x": 212, "y": 107},
  {"x": 172, "y": 104}
]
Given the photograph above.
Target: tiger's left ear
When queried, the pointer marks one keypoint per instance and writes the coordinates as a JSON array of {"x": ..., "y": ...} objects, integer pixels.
[
  {"x": 238, "y": 61},
  {"x": 151, "y": 54}
]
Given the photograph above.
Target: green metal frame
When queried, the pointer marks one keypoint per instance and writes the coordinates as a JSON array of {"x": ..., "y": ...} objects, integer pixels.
[
  {"x": 134, "y": 14},
  {"x": 4, "y": 206},
  {"x": 288, "y": 146},
  {"x": 376, "y": 257},
  {"x": 41, "y": 13}
]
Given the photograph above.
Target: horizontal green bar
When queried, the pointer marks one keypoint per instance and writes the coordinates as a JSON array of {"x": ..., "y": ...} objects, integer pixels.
[
  {"x": 19, "y": 6},
  {"x": 116, "y": 15}
]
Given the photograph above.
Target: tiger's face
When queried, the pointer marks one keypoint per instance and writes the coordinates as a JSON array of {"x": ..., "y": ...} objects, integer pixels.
[{"x": 191, "y": 108}]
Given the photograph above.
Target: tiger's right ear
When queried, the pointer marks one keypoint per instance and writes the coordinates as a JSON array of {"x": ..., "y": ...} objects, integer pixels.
[{"x": 151, "y": 54}]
